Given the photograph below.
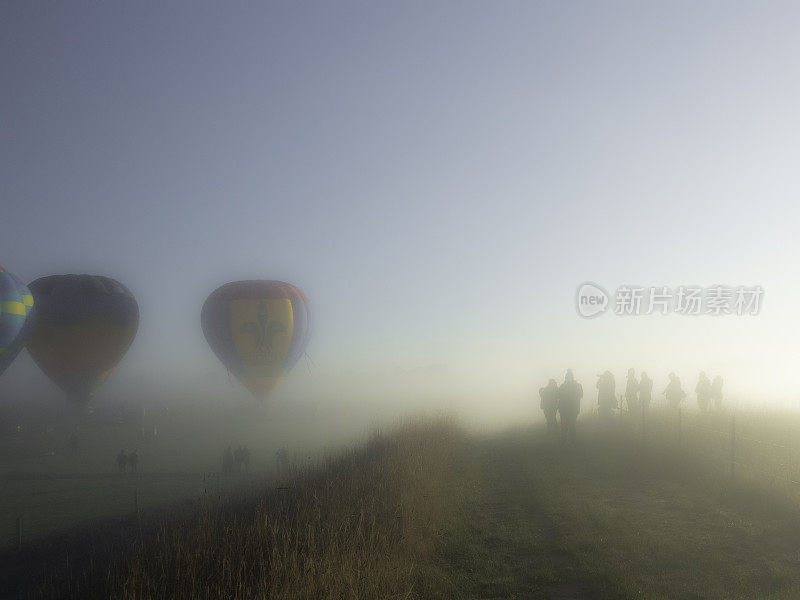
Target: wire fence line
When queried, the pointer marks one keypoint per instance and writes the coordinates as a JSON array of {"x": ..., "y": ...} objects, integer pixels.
[{"x": 730, "y": 440}]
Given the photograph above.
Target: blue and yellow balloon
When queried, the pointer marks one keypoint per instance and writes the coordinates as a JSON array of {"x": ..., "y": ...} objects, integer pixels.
[
  {"x": 16, "y": 307},
  {"x": 83, "y": 326},
  {"x": 258, "y": 329}
]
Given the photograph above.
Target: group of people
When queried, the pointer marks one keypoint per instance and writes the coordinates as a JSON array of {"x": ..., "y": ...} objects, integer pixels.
[
  {"x": 638, "y": 393},
  {"x": 235, "y": 460},
  {"x": 562, "y": 402},
  {"x": 707, "y": 392},
  {"x": 128, "y": 461}
]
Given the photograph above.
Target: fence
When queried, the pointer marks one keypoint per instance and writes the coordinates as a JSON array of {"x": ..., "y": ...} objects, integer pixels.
[{"x": 743, "y": 444}]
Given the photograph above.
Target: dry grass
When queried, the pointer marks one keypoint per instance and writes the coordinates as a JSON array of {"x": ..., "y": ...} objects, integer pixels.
[
  {"x": 426, "y": 512},
  {"x": 358, "y": 526}
]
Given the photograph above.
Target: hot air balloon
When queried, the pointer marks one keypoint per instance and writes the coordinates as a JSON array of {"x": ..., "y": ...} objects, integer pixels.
[
  {"x": 16, "y": 305},
  {"x": 82, "y": 328},
  {"x": 258, "y": 329}
]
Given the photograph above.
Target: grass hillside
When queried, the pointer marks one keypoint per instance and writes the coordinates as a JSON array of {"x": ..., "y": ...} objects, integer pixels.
[
  {"x": 428, "y": 511},
  {"x": 362, "y": 525}
]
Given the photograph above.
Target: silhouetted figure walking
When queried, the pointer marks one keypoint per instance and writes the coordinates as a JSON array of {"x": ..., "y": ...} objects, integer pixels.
[
  {"x": 632, "y": 391},
  {"x": 716, "y": 392},
  {"x": 549, "y": 404},
  {"x": 606, "y": 395},
  {"x": 282, "y": 460},
  {"x": 703, "y": 391},
  {"x": 237, "y": 458},
  {"x": 645, "y": 391},
  {"x": 133, "y": 461},
  {"x": 674, "y": 392},
  {"x": 227, "y": 461},
  {"x": 246, "y": 458},
  {"x": 122, "y": 461},
  {"x": 569, "y": 405}
]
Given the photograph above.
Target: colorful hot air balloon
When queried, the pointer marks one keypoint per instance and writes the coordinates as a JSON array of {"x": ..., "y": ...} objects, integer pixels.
[
  {"x": 83, "y": 326},
  {"x": 16, "y": 304},
  {"x": 258, "y": 329}
]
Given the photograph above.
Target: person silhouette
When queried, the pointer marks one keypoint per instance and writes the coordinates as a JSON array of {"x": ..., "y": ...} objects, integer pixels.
[
  {"x": 645, "y": 391},
  {"x": 569, "y": 405},
  {"x": 133, "y": 461},
  {"x": 549, "y": 404},
  {"x": 632, "y": 391},
  {"x": 606, "y": 396},
  {"x": 238, "y": 457},
  {"x": 246, "y": 458},
  {"x": 122, "y": 461},
  {"x": 674, "y": 392},
  {"x": 703, "y": 391},
  {"x": 227, "y": 461},
  {"x": 282, "y": 460}
]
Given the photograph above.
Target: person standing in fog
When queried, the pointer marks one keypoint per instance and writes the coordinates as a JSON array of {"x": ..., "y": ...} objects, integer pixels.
[
  {"x": 645, "y": 391},
  {"x": 569, "y": 405},
  {"x": 282, "y": 460},
  {"x": 122, "y": 462},
  {"x": 703, "y": 391},
  {"x": 549, "y": 404},
  {"x": 227, "y": 461},
  {"x": 246, "y": 458},
  {"x": 606, "y": 396},
  {"x": 237, "y": 459},
  {"x": 674, "y": 392},
  {"x": 133, "y": 461},
  {"x": 632, "y": 391}
]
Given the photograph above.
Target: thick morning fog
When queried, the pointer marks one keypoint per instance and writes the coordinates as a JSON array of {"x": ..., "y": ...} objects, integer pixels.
[{"x": 420, "y": 300}]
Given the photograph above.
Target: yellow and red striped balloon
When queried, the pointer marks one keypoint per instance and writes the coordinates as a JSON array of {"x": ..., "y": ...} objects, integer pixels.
[{"x": 258, "y": 329}]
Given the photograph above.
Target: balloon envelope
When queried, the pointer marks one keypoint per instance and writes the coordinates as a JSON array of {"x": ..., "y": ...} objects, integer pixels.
[
  {"x": 258, "y": 329},
  {"x": 82, "y": 328},
  {"x": 16, "y": 306}
]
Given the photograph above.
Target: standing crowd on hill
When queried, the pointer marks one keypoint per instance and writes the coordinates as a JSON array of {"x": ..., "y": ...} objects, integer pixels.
[
  {"x": 561, "y": 404},
  {"x": 236, "y": 460},
  {"x": 128, "y": 463}
]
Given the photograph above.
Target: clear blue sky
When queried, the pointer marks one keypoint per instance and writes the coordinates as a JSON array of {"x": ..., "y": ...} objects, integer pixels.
[{"x": 438, "y": 176}]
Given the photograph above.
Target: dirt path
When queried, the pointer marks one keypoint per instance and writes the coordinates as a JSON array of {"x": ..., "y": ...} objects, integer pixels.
[{"x": 516, "y": 547}]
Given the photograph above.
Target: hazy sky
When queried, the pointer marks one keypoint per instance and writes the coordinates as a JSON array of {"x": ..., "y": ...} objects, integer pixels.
[{"x": 437, "y": 176}]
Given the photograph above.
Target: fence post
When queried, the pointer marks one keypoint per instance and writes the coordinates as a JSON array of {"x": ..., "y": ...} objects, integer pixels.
[
  {"x": 19, "y": 532},
  {"x": 733, "y": 445},
  {"x": 680, "y": 429}
]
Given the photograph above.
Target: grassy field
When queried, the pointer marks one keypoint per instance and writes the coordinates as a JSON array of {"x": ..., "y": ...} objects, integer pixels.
[
  {"x": 54, "y": 490},
  {"x": 612, "y": 518},
  {"x": 431, "y": 512},
  {"x": 362, "y": 524},
  {"x": 52, "y": 504}
]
